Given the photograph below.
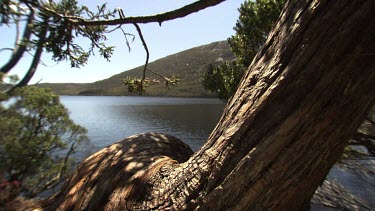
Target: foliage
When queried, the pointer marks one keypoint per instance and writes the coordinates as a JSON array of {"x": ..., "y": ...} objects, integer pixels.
[
  {"x": 37, "y": 140},
  {"x": 8, "y": 191},
  {"x": 135, "y": 84},
  {"x": 252, "y": 28},
  {"x": 10, "y": 198},
  {"x": 38, "y": 137},
  {"x": 255, "y": 22},
  {"x": 223, "y": 79},
  {"x": 48, "y": 26},
  {"x": 62, "y": 33}
]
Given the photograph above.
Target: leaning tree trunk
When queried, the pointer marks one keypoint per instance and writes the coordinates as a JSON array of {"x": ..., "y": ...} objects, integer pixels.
[{"x": 304, "y": 95}]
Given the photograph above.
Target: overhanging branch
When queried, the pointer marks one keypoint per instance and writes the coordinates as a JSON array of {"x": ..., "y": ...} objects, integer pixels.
[
  {"x": 159, "y": 18},
  {"x": 34, "y": 64},
  {"x": 20, "y": 46}
]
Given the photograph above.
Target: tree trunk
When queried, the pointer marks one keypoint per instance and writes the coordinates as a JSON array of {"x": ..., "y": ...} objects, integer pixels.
[{"x": 304, "y": 95}]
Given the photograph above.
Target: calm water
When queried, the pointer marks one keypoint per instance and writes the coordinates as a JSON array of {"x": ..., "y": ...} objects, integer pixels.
[{"x": 109, "y": 119}]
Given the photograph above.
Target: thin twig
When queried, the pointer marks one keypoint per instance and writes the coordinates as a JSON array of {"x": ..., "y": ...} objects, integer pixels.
[
  {"x": 114, "y": 29},
  {"x": 125, "y": 35},
  {"x": 126, "y": 38},
  {"x": 40, "y": 61},
  {"x": 146, "y": 49},
  {"x": 158, "y": 74},
  {"x": 38, "y": 82},
  {"x": 17, "y": 40},
  {"x": 6, "y": 49}
]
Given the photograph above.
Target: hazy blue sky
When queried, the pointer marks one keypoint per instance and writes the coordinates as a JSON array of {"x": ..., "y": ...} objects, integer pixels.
[{"x": 209, "y": 25}]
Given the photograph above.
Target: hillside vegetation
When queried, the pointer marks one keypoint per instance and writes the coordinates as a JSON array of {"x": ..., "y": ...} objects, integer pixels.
[
  {"x": 190, "y": 64},
  {"x": 65, "y": 88}
]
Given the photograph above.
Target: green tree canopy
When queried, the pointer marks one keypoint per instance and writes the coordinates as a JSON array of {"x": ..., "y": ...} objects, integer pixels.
[
  {"x": 255, "y": 22},
  {"x": 37, "y": 140}
]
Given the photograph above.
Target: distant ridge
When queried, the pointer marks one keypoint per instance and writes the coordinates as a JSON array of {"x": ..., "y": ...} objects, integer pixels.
[{"x": 190, "y": 64}]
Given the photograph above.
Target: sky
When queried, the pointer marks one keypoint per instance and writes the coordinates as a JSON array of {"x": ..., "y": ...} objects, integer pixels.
[{"x": 206, "y": 26}]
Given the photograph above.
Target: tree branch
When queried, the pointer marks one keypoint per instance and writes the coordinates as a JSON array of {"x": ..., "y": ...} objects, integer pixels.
[
  {"x": 159, "y": 18},
  {"x": 21, "y": 47},
  {"x": 146, "y": 49},
  {"x": 125, "y": 35},
  {"x": 167, "y": 80},
  {"x": 17, "y": 40},
  {"x": 40, "y": 61},
  {"x": 158, "y": 74},
  {"x": 6, "y": 49},
  {"x": 34, "y": 64}
]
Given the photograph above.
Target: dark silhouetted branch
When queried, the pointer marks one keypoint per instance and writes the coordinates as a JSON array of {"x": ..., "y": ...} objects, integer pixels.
[
  {"x": 146, "y": 49},
  {"x": 20, "y": 47},
  {"x": 34, "y": 64},
  {"x": 159, "y": 18},
  {"x": 6, "y": 49}
]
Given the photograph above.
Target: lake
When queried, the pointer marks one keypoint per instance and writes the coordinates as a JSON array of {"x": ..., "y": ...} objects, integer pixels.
[{"x": 109, "y": 119}]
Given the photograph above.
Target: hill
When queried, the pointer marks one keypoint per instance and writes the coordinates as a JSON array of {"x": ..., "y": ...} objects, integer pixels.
[
  {"x": 190, "y": 64},
  {"x": 65, "y": 88}
]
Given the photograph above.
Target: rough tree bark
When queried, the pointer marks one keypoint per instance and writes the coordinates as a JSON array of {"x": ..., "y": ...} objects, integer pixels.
[{"x": 304, "y": 95}]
